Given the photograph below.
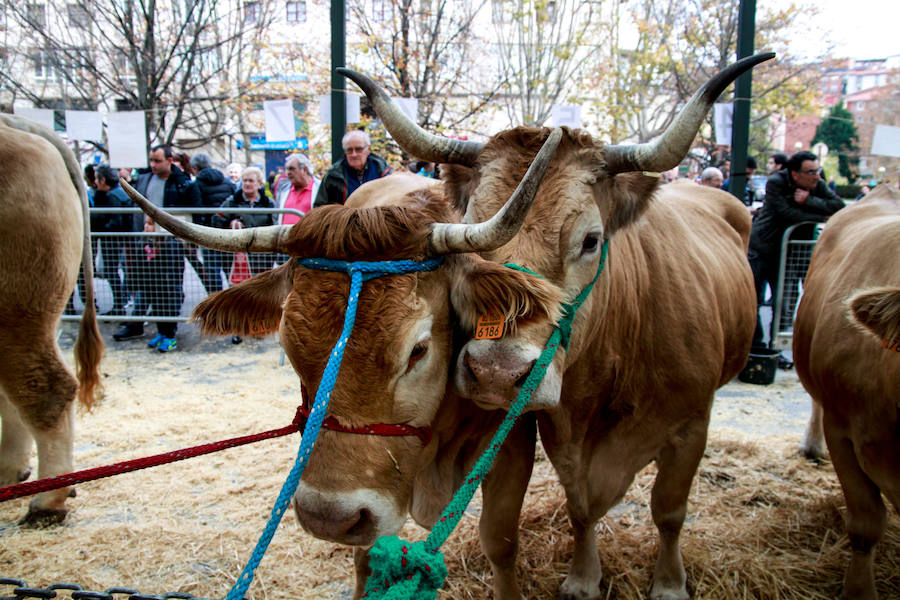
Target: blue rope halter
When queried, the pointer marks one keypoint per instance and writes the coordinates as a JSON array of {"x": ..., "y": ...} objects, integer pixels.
[{"x": 359, "y": 272}]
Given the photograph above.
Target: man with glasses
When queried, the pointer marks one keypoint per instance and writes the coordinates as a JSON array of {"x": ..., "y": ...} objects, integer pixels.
[
  {"x": 358, "y": 166},
  {"x": 793, "y": 195}
]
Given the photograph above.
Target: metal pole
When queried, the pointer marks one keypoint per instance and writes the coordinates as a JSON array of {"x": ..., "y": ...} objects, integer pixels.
[
  {"x": 338, "y": 85},
  {"x": 743, "y": 87}
]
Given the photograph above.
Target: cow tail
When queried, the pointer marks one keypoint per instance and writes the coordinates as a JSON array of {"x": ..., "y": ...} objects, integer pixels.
[{"x": 89, "y": 345}]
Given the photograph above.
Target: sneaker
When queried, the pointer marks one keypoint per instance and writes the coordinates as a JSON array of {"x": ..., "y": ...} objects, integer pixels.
[
  {"x": 128, "y": 332},
  {"x": 236, "y": 339},
  {"x": 154, "y": 343},
  {"x": 785, "y": 364},
  {"x": 167, "y": 344}
]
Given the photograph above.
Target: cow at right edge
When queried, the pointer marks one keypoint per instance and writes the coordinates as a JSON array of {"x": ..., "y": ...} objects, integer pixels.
[{"x": 847, "y": 355}]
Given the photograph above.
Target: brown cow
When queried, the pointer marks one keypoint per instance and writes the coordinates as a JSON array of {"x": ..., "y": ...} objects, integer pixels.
[
  {"x": 356, "y": 488},
  {"x": 44, "y": 231},
  {"x": 669, "y": 321},
  {"x": 852, "y": 291}
]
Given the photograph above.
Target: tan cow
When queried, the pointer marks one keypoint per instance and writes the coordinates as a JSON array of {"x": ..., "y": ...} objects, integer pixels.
[
  {"x": 44, "y": 231},
  {"x": 847, "y": 354},
  {"x": 669, "y": 321}
]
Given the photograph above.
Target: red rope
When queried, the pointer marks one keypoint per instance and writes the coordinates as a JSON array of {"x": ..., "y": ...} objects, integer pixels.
[{"x": 51, "y": 483}]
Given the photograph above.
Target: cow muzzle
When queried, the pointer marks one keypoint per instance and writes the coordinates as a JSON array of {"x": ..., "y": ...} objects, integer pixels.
[
  {"x": 355, "y": 518},
  {"x": 491, "y": 374}
]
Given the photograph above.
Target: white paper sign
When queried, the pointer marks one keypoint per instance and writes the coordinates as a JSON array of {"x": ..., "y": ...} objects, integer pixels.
[
  {"x": 723, "y": 117},
  {"x": 352, "y": 108},
  {"x": 567, "y": 115},
  {"x": 279, "y": 120},
  {"x": 886, "y": 141},
  {"x": 127, "y": 136},
  {"x": 41, "y": 116},
  {"x": 410, "y": 107},
  {"x": 84, "y": 125}
]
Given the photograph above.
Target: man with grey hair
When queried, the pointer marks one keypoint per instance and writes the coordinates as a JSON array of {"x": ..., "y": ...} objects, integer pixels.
[
  {"x": 358, "y": 166},
  {"x": 296, "y": 188},
  {"x": 711, "y": 177}
]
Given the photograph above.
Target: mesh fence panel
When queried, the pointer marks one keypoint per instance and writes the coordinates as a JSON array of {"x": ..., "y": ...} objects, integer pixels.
[
  {"x": 796, "y": 254},
  {"x": 155, "y": 276}
]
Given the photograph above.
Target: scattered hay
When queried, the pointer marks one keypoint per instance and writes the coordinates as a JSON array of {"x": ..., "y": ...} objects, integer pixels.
[{"x": 762, "y": 523}]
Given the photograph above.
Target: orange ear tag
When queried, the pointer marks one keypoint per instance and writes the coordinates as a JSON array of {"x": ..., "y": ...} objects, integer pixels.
[{"x": 489, "y": 327}]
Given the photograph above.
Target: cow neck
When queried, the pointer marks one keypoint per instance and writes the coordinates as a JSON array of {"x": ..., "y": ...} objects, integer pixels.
[
  {"x": 359, "y": 272},
  {"x": 569, "y": 308}
]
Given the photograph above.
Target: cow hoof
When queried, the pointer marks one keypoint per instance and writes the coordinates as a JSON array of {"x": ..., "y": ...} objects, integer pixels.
[
  {"x": 43, "y": 517},
  {"x": 24, "y": 474},
  {"x": 814, "y": 453},
  {"x": 669, "y": 595},
  {"x": 571, "y": 591}
]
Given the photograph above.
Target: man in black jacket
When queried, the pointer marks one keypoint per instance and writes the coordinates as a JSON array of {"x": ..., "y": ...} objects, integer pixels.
[
  {"x": 793, "y": 195},
  {"x": 161, "y": 286},
  {"x": 358, "y": 166},
  {"x": 214, "y": 190}
]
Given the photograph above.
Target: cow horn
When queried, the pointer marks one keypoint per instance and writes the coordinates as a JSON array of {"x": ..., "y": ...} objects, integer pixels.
[
  {"x": 449, "y": 238},
  {"x": 269, "y": 239},
  {"x": 412, "y": 138},
  {"x": 668, "y": 150}
]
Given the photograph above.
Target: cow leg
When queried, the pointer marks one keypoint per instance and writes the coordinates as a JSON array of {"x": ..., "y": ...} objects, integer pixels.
[
  {"x": 677, "y": 463},
  {"x": 866, "y": 516},
  {"x": 361, "y": 567},
  {"x": 43, "y": 390},
  {"x": 813, "y": 446},
  {"x": 503, "y": 492},
  {"x": 15, "y": 445}
]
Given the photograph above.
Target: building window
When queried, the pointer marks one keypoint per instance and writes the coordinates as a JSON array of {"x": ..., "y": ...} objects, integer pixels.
[
  {"x": 251, "y": 12},
  {"x": 37, "y": 15},
  {"x": 78, "y": 16},
  {"x": 42, "y": 65},
  {"x": 296, "y": 11},
  {"x": 381, "y": 10}
]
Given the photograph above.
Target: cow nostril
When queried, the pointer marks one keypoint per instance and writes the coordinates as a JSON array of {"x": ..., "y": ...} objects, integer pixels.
[
  {"x": 363, "y": 525},
  {"x": 521, "y": 380},
  {"x": 467, "y": 362}
]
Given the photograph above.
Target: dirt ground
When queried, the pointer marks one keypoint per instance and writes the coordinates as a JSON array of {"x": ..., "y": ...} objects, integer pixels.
[{"x": 762, "y": 523}]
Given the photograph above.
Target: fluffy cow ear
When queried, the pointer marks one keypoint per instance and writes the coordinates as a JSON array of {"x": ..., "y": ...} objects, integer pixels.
[
  {"x": 624, "y": 197},
  {"x": 481, "y": 287},
  {"x": 878, "y": 310},
  {"x": 253, "y": 307}
]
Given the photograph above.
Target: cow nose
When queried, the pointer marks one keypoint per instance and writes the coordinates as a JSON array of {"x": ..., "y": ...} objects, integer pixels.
[
  {"x": 350, "y": 527},
  {"x": 495, "y": 381}
]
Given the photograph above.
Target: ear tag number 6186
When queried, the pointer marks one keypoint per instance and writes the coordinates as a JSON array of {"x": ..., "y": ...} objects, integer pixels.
[{"x": 489, "y": 327}]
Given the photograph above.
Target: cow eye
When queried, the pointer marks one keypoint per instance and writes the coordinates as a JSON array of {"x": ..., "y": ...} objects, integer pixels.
[
  {"x": 589, "y": 244},
  {"x": 418, "y": 352}
]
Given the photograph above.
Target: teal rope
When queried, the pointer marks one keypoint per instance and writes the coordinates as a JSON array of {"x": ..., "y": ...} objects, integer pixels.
[
  {"x": 359, "y": 271},
  {"x": 402, "y": 570}
]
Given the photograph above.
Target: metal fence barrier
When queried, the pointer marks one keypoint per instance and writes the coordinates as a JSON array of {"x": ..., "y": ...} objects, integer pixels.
[
  {"x": 157, "y": 277},
  {"x": 793, "y": 264}
]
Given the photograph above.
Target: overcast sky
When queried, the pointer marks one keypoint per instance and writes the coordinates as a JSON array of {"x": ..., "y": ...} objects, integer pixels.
[{"x": 859, "y": 28}]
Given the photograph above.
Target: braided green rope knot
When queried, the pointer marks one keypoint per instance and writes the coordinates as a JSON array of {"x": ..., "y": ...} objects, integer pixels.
[{"x": 404, "y": 570}]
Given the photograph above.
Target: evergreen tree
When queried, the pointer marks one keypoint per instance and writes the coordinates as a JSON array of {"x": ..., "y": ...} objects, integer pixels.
[{"x": 838, "y": 132}]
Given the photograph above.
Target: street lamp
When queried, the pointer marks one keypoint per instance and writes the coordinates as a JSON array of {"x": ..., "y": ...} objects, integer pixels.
[{"x": 880, "y": 174}]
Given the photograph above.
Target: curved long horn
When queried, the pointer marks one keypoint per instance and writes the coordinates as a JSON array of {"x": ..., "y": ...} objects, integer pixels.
[
  {"x": 269, "y": 239},
  {"x": 410, "y": 136},
  {"x": 449, "y": 238},
  {"x": 668, "y": 150}
]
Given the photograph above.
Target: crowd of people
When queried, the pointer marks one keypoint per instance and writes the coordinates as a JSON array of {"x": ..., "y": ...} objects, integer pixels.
[
  {"x": 147, "y": 272},
  {"x": 152, "y": 269}
]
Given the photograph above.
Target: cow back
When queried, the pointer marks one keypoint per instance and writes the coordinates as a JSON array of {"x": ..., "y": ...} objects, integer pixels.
[{"x": 836, "y": 359}]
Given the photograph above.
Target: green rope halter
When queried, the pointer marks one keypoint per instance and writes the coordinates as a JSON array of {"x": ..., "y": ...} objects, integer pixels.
[{"x": 403, "y": 570}]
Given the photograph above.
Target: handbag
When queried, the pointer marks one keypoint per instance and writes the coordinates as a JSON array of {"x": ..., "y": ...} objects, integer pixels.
[{"x": 240, "y": 268}]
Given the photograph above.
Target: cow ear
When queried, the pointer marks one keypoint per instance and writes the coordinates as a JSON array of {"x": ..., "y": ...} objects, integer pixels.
[
  {"x": 253, "y": 307},
  {"x": 481, "y": 287},
  {"x": 624, "y": 197},
  {"x": 878, "y": 310},
  {"x": 460, "y": 183}
]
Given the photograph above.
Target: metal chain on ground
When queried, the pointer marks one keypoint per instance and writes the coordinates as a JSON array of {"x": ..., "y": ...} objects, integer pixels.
[{"x": 21, "y": 590}]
